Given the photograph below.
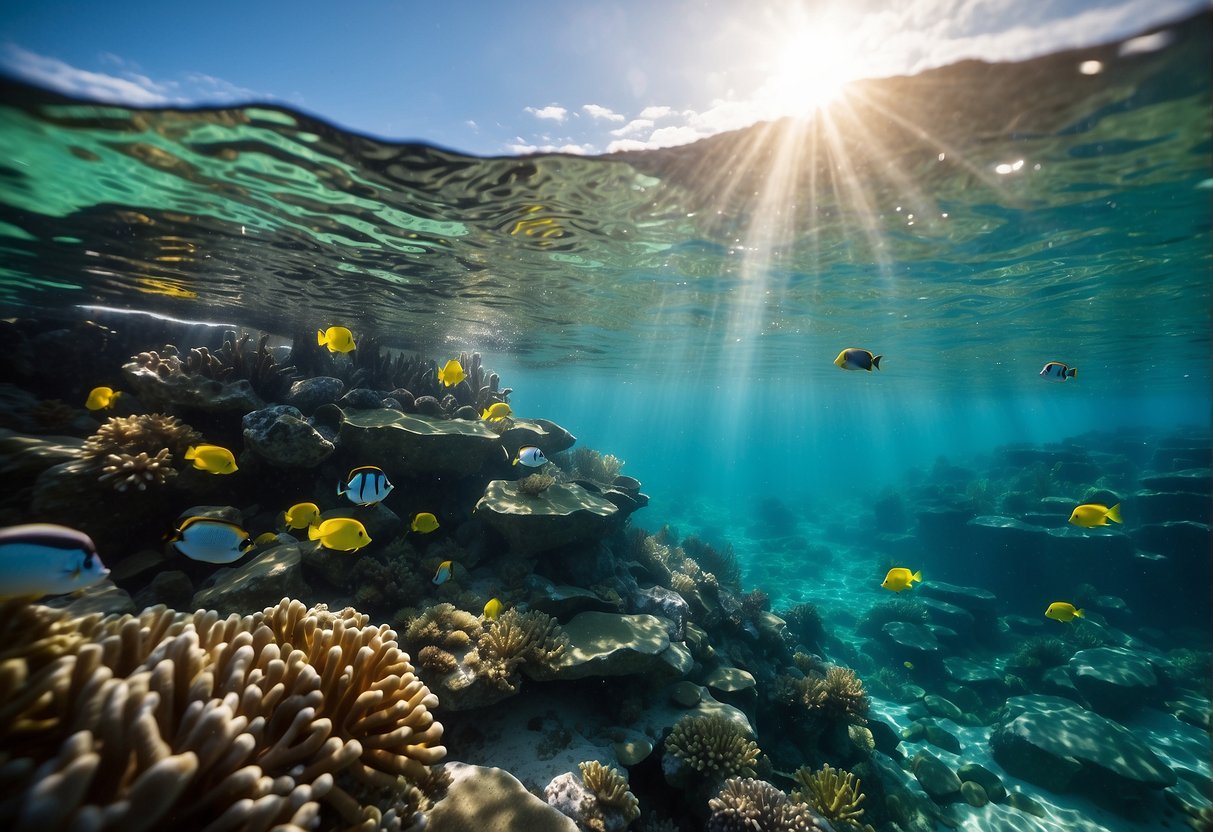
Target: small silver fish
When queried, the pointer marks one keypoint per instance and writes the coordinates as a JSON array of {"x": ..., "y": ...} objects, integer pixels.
[
  {"x": 40, "y": 559},
  {"x": 211, "y": 540},
  {"x": 531, "y": 457},
  {"x": 366, "y": 486}
]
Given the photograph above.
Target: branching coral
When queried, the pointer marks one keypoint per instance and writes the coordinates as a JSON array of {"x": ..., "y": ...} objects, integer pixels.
[
  {"x": 747, "y": 805},
  {"x": 124, "y": 471},
  {"x": 280, "y": 717},
  {"x": 838, "y": 696},
  {"x": 895, "y": 609},
  {"x": 235, "y": 361},
  {"x": 588, "y": 464},
  {"x": 713, "y": 745},
  {"x": 535, "y": 484},
  {"x": 442, "y": 625},
  {"x": 1036, "y": 655},
  {"x": 722, "y": 563},
  {"x": 145, "y": 433},
  {"x": 804, "y": 622},
  {"x": 610, "y": 788},
  {"x": 833, "y": 793},
  {"x": 517, "y": 638}
]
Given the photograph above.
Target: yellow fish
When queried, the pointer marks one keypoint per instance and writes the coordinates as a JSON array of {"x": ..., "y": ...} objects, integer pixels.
[
  {"x": 424, "y": 523},
  {"x": 1092, "y": 514},
  {"x": 266, "y": 538},
  {"x": 908, "y": 665},
  {"x": 101, "y": 398},
  {"x": 451, "y": 374},
  {"x": 212, "y": 459},
  {"x": 857, "y": 359},
  {"x": 900, "y": 578},
  {"x": 341, "y": 533},
  {"x": 445, "y": 570},
  {"x": 336, "y": 338},
  {"x": 499, "y": 410},
  {"x": 492, "y": 609},
  {"x": 302, "y": 515},
  {"x": 1063, "y": 611}
]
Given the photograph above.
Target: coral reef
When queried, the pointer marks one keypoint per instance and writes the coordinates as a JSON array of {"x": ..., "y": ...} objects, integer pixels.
[
  {"x": 804, "y": 622},
  {"x": 895, "y": 609},
  {"x": 588, "y": 464},
  {"x": 125, "y": 471},
  {"x": 145, "y": 433},
  {"x": 535, "y": 484},
  {"x": 610, "y": 787},
  {"x": 287, "y": 716},
  {"x": 748, "y": 805},
  {"x": 834, "y": 794},
  {"x": 713, "y": 745},
  {"x": 514, "y": 639},
  {"x": 1036, "y": 655},
  {"x": 720, "y": 562},
  {"x": 236, "y": 376}
]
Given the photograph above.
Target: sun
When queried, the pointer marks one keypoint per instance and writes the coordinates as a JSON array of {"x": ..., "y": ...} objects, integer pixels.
[{"x": 810, "y": 69}]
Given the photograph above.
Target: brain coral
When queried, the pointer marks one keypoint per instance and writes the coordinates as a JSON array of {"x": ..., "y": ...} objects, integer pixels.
[{"x": 295, "y": 717}]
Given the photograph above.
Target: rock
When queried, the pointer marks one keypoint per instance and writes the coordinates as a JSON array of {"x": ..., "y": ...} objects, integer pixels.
[
  {"x": 912, "y": 639},
  {"x": 564, "y": 513},
  {"x": 191, "y": 391},
  {"x": 980, "y": 603},
  {"x": 1024, "y": 625},
  {"x": 549, "y": 437},
  {"x": 1025, "y": 804},
  {"x": 172, "y": 588},
  {"x": 941, "y": 707},
  {"x": 973, "y": 794},
  {"x": 941, "y": 738},
  {"x": 1185, "y": 542},
  {"x": 1057, "y": 682},
  {"x": 478, "y": 796},
  {"x": 1115, "y": 681},
  {"x": 936, "y": 779},
  {"x": 103, "y": 597},
  {"x": 279, "y": 434},
  {"x": 1061, "y": 746},
  {"x": 915, "y": 731},
  {"x": 310, "y": 393},
  {"x": 969, "y": 672},
  {"x": 632, "y": 750},
  {"x": 607, "y": 644},
  {"x": 949, "y": 615},
  {"x": 982, "y": 776},
  {"x": 1161, "y": 506},
  {"x": 429, "y": 406},
  {"x": 262, "y": 582},
  {"x": 23, "y": 458},
  {"x": 569, "y": 796},
  {"x": 1195, "y": 481},
  {"x": 686, "y": 694},
  {"x": 360, "y": 398},
  {"x": 416, "y": 444},
  {"x": 657, "y": 600},
  {"x": 563, "y": 601},
  {"x": 729, "y": 679},
  {"x": 885, "y": 737}
]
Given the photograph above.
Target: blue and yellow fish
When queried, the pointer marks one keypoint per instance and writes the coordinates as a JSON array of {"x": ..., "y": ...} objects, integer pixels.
[{"x": 446, "y": 570}]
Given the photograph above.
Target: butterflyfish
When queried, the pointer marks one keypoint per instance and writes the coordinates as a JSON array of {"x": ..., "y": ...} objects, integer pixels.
[
  {"x": 900, "y": 578},
  {"x": 336, "y": 338},
  {"x": 1063, "y": 611},
  {"x": 492, "y": 609},
  {"x": 211, "y": 540},
  {"x": 40, "y": 559},
  {"x": 451, "y": 374},
  {"x": 345, "y": 534},
  {"x": 1092, "y": 514},
  {"x": 424, "y": 523},
  {"x": 444, "y": 573},
  {"x": 365, "y": 486},
  {"x": 212, "y": 458},
  {"x": 854, "y": 358},
  {"x": 101, "y": 398},
  {"x": 302, "y": 515},
  {"x": 499, "y": 410},
  {"x": 1056, "y": 371},
  {"x": 531, "y": 457}
]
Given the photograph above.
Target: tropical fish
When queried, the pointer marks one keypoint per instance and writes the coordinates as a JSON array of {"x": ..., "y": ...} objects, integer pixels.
[
  {"x": 1063, "y": 611},
  {"x": 424, "y": 523},
  {"x": 451, "y": 374},
  {"x": 853, "y": 358},
  {"x": 265, "y": 538},
  {"x": 1056, "y": 371},
  {"x": 101, "y": 398},
  {"x": 344, "y": 534},
  {"x": 44, "y": 559},
  {"x": 531, "y": 457},
  {"x": 366, "y": 486},
  {"x": 210, "y": 539},
  {"x": 212, "y": 458},
  {"x": 302, "y": 515},
  {"x": 445, "y": 570},
  {"x": 336, "y": 338},
  {"x": 900, "y": 578},
  {"x": 1093, "y": 514},
  {"x": 499, "y": 410},
  {"x": 492, "y": 609},
  {"x": 908, "y": 665}
]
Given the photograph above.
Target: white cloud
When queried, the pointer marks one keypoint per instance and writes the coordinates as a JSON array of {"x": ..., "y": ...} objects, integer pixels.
[
  {"x": 63, "y": 77},
  {"x": 605, "y": 113},
  {"x": 521, "y": 147},
  {"x": 633, "y": 126},
  {"x": 653, "y": 113},
  {"x": 552, "y": 112}
]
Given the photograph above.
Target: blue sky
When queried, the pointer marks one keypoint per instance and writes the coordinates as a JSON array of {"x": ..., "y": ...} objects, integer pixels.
[{"x": 506, "y": 77}]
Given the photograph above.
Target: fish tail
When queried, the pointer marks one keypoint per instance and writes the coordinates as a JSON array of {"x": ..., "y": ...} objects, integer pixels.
[
  {"x": 1079, "y": 614},
  {"x": 340, "y": 489},
  {"x": 1114, "y": 514},
  {"x": 320, "y": 337},
  {"x": 191, "y": 452},
  {"x": 917, "y": 576},
  {"x": 1072, "y": 372},
  {"x": 876, "y": 361},
  {"x": 313, "y": 532}
]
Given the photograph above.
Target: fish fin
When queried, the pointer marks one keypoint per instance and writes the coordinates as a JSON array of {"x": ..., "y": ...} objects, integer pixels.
[
  {"x": 1072, "y": 372},
  {"x": 320, "y": 337},
  {"x": 876, "y": 361},
  {"x": 313, "y": 532},
  {"x": 191, "y": 452},
  {"x": 1080, "y": 614},
  {"x": 917, "y": 576},
  {"x": 340, "y": 489},
  {"x": 1114, "y": 514}
]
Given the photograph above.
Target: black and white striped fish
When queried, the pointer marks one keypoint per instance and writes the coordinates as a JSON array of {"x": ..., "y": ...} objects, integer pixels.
[{"x": 366, "y": 486}]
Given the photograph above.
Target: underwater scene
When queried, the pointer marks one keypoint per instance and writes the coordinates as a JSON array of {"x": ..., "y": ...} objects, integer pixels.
[{"x": 842, "y": 473}]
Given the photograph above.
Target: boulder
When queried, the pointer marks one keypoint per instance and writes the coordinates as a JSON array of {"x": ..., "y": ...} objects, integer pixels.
[
  {"x": 172, "y": 588},
  {"x": 547, "y": 436},
  {"x": 260, "y": 583},
  {"x": 970, "y": 672},
  {"x": 982, "y": 776},
  {"x": 936, "y": 779},
  {"x": 103, "y": 597},
  {"x": 183, "y": 389},
  {"x": 912, "y": 639},
  {"x": 609, "y": 644},
  {"x": 1161, "y": 506},
  {"x": 1193, "y": 481},
  {"x": 1115, "y": 681},
  {"x": 1061, "y": 746},
  {"x": 940, "y": 707},
  {"x": 280, "y": 434},
  {"x": 310, "y": 393},
  {"x": 479, "y": 797},
  {"x": 564, "y": 513},
  {"x": 408, "y": 442},
  {"x": 979, "y": 603},
  {"x": 950, "y": 615},
  {"x": 564, "y": 601}
]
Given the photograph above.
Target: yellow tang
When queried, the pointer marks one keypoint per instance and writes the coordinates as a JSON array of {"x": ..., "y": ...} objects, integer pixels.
[
  {"x": 900, "y": 578},
  {"x": 344, "y": 534},
  {"x": 265, "y": 539},
  {"x": 499, "y": 410},
  {"x": 1063, "y": 611},
  {"x": 1092, "y": 514},
  {"x": 212, "y": 458},
  {"x": 492, "y": 609},
  {"x": 302, "y": 515},
  {"x": 336, "y": 338},
  {"x": 451, "y": 374},
  {"x": 101, "y": 398},
  {"x": 424, "y": 523}
]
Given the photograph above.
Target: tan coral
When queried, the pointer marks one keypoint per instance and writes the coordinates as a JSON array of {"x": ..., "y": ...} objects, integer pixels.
[
  {"x": 713, "y": 745},
  {"x": 516, "y": 638},
  {"x": 610, "y": 787},
  {"x": 124, "y": 471},
  {"x": 147, "y": 433},
  {"x": 535, "y": 484},
  {"x": 833, "y": 793}
]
